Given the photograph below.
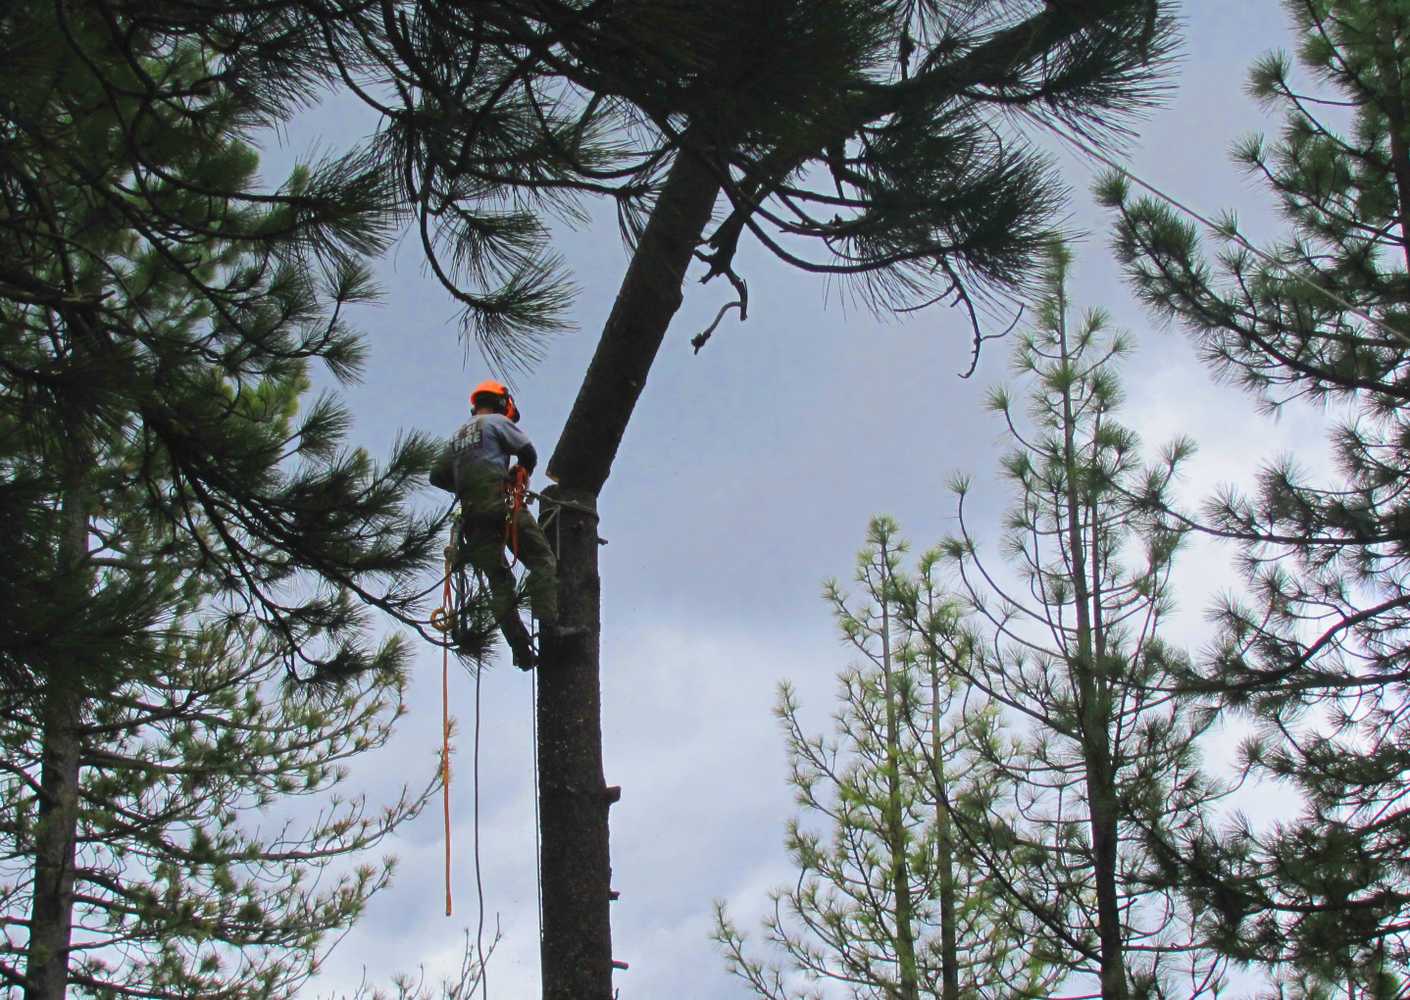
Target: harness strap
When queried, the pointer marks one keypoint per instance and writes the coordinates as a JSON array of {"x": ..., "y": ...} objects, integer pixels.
[{"x": 515, "y": 496}]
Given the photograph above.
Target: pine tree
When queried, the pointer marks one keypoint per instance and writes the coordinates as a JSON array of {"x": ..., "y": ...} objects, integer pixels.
[
  {"x": 889, "y": 903},
  {"x": 1315, "y": 653},
  {"x": 192, "y": 876},
  {"x": 188, "y": 530},
  {"x": 880, "y": 143},
  {"x": 1109, "y": 769}
]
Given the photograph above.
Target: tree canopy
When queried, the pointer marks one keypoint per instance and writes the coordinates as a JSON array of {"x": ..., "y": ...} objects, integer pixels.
[
  {"x": 884, "y": 144},
  {"x": 193, "y": 531},
  {"x": 890, "y": 900},
  {"x": 1316, "y": 653}
]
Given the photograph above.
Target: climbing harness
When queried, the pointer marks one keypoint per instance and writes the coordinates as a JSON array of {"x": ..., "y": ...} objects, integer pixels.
[
  {"x": 516, "y": 493},
  {"x": 465, "y": 623}
]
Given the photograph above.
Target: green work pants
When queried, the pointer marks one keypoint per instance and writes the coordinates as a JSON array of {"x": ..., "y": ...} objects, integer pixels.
[{"x": 483, "y": 537}]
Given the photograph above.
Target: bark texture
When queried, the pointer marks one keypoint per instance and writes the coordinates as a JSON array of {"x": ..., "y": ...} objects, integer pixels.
[
  {"x": 51, "y": 911},
  {"x": 577, "y": 933},
  {"x": 647, "y": 301},
  {"x": 51, "y": 902},
  {"x": 577, "y": 937}
]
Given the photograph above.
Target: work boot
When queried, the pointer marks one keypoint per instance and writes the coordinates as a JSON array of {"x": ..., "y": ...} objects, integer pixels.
[
  {"x": 520, "y": 645},
  {"x": 524, "y": 657}
]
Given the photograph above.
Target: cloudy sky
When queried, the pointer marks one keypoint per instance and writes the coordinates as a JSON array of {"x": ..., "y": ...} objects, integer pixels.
[{"x": 746, "y": 479}]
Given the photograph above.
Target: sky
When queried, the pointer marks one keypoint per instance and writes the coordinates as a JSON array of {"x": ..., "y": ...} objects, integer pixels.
[{"x": 745, "y": 480}]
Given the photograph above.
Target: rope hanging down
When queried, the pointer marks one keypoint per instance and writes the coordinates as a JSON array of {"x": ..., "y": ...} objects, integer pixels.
[
  {"x": 538, "y": 827},
  {"x": 442, "y": 619},
  {"x": 479, "y": 877}
]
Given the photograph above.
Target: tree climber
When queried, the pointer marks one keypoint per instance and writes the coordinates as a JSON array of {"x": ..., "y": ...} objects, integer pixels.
[{"x": 475, "y": 467}]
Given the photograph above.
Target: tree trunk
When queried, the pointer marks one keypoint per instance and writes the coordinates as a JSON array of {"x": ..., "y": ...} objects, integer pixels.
[
  {"x": 1103, "y": 802},
  {"x": 895, "y": 820},
  {"x": 1102, "y": 806},
  {"x": 1095, "y": 711},
  {"x": 576, "y": 955},
  {"x": 945, "y": 850},
  {"x": 51, "y": 910},
  {"x": 576, "y": 950},
  {"x": 51, "y": 904}
]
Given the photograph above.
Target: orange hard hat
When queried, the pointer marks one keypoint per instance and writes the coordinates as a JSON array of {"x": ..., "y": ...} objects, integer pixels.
[{"x": 500, "y": 391}]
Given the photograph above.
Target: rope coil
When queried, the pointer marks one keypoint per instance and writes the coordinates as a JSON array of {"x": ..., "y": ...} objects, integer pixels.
[{"x": 516, "y": 494}]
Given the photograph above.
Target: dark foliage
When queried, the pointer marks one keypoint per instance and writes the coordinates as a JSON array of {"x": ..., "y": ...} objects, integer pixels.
[{"x": 1316, "y": 652}]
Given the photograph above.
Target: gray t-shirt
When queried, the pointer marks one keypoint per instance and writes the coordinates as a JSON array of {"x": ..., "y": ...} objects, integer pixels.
[{"x": 480, "y": 449}]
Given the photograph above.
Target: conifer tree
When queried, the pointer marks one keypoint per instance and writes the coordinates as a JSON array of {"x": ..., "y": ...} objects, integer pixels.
[
  {"x": 1315, "y": 653},
  {"x": 189, "y": 530},
  {"x": 889, "y": 902},
  {"x": 191, "y": 874},
  {"x": 1074, "y": 649},
  {"x": 880, "y": 143}
]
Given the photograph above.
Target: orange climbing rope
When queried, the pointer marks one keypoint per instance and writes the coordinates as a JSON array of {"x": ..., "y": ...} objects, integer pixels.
[
  {"x": 442, "y": 619},
  {"x": 516, "y": 495}
]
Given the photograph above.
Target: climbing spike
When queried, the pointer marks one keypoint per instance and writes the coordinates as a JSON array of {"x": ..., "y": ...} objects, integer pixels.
[
  {"x": 619, "y": 964},
  {"x": 613, "y": 793},
  {"x": 613, "y": 895}
]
